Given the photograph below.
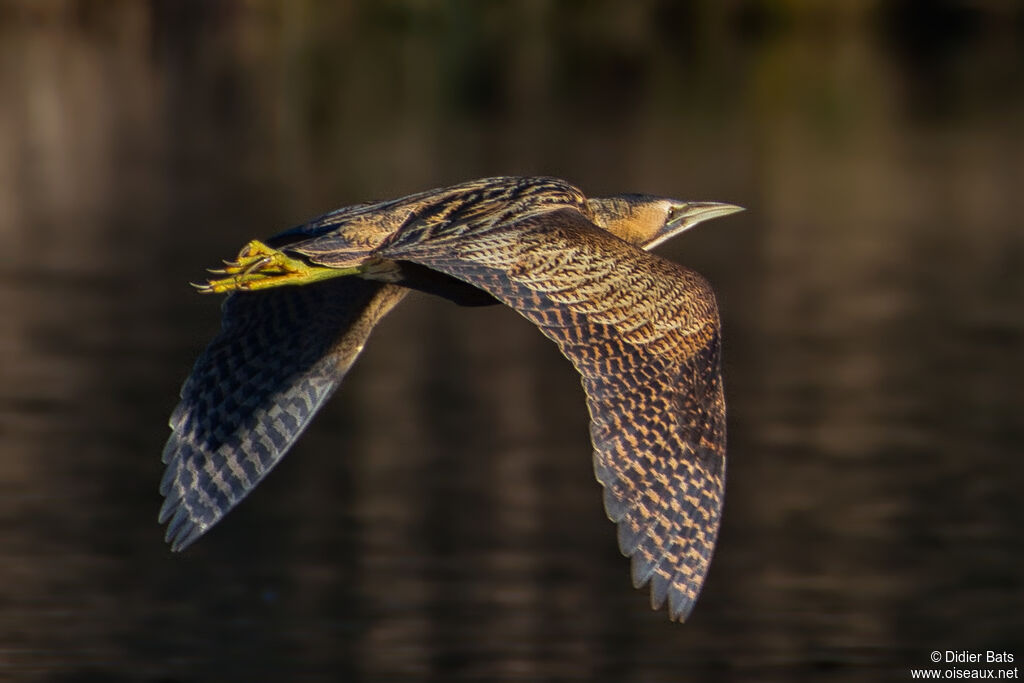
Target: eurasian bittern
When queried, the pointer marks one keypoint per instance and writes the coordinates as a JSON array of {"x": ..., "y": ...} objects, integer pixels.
[{"x": 643, "y": 332}]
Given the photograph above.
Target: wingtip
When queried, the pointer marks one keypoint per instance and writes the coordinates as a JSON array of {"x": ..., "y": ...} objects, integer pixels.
[
  {"x": 679, "y": 606},
  {"x": 662, "y": 589},
  {"x": 640, "y": 571},
  {"x": 659, "y": 590},
  {"x": 182, "y": 531}
]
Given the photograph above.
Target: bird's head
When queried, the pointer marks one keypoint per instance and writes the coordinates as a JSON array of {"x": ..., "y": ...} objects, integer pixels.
[{"x": 645, "y": 221}]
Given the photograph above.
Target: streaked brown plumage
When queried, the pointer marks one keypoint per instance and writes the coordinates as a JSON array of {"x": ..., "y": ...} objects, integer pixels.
[{"x": 642, "y": 332}]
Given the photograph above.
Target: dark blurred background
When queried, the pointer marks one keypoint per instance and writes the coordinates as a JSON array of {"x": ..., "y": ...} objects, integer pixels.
[{"x": 441, "y": 520}]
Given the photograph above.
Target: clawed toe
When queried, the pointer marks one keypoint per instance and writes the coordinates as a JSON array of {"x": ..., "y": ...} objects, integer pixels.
[{"x": 258, "y": 266}]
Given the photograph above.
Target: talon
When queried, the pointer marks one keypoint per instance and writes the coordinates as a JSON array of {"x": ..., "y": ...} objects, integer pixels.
[{"x": 258, "y": 266}]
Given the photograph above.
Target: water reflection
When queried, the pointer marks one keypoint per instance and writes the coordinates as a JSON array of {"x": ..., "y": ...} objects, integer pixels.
[{"x": 441, "y": 521}]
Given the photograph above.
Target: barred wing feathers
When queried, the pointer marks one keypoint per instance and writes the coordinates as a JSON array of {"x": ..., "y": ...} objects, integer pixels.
[
  {"x": 279, "y": 356},
  {"x": 644, "y": 334}
]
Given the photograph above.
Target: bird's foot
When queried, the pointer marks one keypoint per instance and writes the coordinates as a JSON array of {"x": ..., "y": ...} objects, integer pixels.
[{"x": 258, "y": 266}]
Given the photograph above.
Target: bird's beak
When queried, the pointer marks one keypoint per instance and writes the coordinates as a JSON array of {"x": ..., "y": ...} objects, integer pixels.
[{"x": 685, "y": 215}]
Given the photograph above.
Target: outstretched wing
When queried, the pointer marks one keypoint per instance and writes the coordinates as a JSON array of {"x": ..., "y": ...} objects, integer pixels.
[
  {"x": 279, "y": 355},
  {"x": 644, "y": 334}
]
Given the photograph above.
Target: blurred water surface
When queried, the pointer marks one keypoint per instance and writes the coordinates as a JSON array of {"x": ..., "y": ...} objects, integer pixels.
[{"x": 441, "y": 521}]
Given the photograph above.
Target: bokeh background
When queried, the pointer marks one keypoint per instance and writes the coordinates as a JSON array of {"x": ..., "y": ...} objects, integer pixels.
[{"x": 441, "y": 521}]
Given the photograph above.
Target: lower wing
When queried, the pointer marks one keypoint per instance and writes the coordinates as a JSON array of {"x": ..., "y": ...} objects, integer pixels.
[{"x": 279, "y": 356}]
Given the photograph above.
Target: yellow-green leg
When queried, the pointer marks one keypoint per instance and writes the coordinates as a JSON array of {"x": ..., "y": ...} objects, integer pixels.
[{"x": 258, "y": 266}]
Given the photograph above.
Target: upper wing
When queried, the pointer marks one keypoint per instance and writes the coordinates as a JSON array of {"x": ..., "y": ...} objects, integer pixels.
[
  {"x": 279, "y": 355},
  {"x": 644, "y": 334}
]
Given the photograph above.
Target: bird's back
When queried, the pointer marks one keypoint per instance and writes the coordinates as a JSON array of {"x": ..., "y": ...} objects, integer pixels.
[{"x": 345, "y": 237}]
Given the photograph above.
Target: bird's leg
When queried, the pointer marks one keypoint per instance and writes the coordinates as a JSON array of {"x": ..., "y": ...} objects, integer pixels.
[{"x": 258, "y": 266}]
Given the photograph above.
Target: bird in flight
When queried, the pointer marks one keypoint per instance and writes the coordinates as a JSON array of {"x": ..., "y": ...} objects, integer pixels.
[{"x": 643, "y": 333}]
